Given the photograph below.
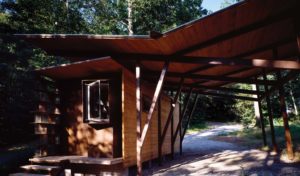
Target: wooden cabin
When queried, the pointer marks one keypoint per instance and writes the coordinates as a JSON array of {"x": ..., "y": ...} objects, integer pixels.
[
  {"x": 109, "y": 111},
  {"x": 95, "y": 111}
]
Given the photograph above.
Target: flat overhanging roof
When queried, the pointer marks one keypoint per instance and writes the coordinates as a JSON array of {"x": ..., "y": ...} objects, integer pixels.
[{"x": 236, "y": 43}]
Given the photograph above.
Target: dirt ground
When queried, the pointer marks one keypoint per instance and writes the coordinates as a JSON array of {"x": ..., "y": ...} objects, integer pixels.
[{"x": 203, "y": 155}]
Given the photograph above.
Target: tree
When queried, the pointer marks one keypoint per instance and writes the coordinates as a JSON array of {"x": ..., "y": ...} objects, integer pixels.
[{"x": 161, "y": 15}]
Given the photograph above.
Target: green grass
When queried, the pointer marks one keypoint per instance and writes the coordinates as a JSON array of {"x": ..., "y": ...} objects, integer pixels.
[
  {"x": 197, "y": 127},
  {"x": 252, "y": 137}
]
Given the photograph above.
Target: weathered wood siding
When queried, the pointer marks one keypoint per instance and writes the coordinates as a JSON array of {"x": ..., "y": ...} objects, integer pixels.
[
  {"x": 150, "y": 148},
  {"x": 80, "y": 138}
]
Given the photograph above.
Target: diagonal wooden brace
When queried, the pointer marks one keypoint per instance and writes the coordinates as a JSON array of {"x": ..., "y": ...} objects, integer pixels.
[
  {"x": 171, "y": 111},
  {"x": 154, "y": 101},
  {"x": 182, "y": 116},
  {"x": 189, "y": 117}
]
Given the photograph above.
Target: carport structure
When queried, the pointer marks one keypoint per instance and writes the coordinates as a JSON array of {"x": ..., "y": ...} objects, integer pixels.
[{"x": 236, "y": 45}]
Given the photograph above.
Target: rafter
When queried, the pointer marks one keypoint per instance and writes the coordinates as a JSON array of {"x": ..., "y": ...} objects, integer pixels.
[
  {"x": 213, "y": 77},
  {"x": 245, "y": 29},
  {"x": 169, "y": 86},
  {"x": 226, "y": 96},
  {"x": 284, "y": 63}
]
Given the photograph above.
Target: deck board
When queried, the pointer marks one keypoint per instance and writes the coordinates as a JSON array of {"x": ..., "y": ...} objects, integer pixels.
[{"x": 77, "y": 160}]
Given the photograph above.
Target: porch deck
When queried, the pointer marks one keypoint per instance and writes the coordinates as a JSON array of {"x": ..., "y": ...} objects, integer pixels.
[{"x": 73, "y": 159}]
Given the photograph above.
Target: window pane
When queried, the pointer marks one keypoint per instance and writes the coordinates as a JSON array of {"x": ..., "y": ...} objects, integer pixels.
[
  {"x": 104, "y": 103},
  {"x": 94, "y": 100}
]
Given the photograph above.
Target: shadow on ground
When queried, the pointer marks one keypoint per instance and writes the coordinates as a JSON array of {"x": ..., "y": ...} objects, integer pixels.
[{"x": 204, "y": 156}]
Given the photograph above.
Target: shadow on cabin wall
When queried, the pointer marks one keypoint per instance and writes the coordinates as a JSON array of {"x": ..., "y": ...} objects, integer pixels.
[{"x": 77, "y": 137}]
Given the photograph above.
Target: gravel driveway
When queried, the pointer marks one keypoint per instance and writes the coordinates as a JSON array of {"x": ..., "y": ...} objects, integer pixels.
[
  {"x": 205, "y": 156},
  {"x": 201, "y": 142}
]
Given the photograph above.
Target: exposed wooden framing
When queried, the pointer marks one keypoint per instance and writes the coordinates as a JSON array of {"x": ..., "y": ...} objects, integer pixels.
[
  {"x": 237, "y": 32},
  {"x": 189, "y": 117},
  {"x": 207, "y": 88},
  {"x": 141, "y": 134},
  {"x": 288, "y": 137},
  {"x": 198, "y": 69},
  {"x": 171, "y": 111},
  {"x": 226, "y": 95},
  {"x": 270, "y": 115},
  {"x": 265, "y": 47},
  {"x": 172, "y": 128},
  {"x": 154, "y": 101},
  {"x": 159, "y": 131},
  {"x": 225, "y": 89},
  {"x": 179, "y": 123},
  {"x": 182, "y": 115},
  {"x": 187, "y": 101},
  {"x": 261, "y": 119},
  {"x": 285, "y": 63},
  {"x": 215, "y": 78},
  {"x": 226, "y": 74},
  {"x": 139, "y": 118},
  {"x": 178, "y": 127}
]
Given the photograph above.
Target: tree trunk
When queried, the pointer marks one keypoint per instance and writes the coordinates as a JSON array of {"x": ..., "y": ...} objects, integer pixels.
[
  {"x": 293, "y": 101},
  {"x": 256, "y": 108},
  {"x": 129, "y": 9}
]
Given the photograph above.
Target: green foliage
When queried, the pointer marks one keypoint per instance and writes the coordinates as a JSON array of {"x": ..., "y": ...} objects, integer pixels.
[
  {"x": 197, "y": 127},
  {"x": 161, "y": 15},
  {"x": 44, "y": 16}
]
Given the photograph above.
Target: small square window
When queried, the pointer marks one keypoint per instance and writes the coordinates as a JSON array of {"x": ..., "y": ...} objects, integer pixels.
[{"x": 96, "y": 100}]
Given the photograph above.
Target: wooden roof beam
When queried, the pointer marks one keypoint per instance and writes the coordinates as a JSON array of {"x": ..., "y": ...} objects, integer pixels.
[
  {"x": 172, "y": 86},
  {"x": 286, "y": 63},
  {"x": 225, "y": 89},
  {"x": 245, "y": 29},
  {"x": 226, "y": 96},
  {"x": 213, "y": 78}
]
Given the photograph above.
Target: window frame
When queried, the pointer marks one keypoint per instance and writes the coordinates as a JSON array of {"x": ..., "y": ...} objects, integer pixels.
[{"x": 86, "y": 87}]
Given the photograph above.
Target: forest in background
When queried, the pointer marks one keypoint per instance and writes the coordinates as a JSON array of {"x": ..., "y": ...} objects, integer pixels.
[{"x": 18, "y": 59}]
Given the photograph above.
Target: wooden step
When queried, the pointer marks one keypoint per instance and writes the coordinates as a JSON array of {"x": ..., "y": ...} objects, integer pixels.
[
  {"x": 27, "y": 174},
  {"x": 40, "y": 168}
]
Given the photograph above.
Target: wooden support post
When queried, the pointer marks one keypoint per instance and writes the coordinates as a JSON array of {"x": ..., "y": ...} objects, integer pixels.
[
  {"x": 182, "y": 115},
  {"x": 187, "y": 101},
  {"x": 270, "y": 114},
  {"x": 172, "y": 129},
  {"x": 141, "y": 133},
  {"x": 288, "y": 137},
  {"x": 180, "y": 119},
  {"x": 138, "y": 120},
  {"x": 180, "y": 124},
  {"x": 159, "y": 131},
  {"x": 172, "y": 133},
  {"x": 189, "y": 117},
  {"x": 174, "y": 101},
  {"x": 261, "y": 119},
  {"x": 154, "y": 101}
]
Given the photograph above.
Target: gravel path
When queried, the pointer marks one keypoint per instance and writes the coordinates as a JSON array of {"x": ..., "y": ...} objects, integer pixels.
[
  {"x": 201, "y": 142},
  {"x": 204, "y": 156}
]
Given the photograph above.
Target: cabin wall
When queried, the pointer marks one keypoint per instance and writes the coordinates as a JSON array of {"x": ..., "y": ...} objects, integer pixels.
[
  {"x": 80, "y": 138},
  {"x": 150, "y": 148}
]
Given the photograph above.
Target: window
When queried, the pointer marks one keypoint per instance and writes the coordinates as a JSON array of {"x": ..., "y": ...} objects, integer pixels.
[{"x": 95, "y": 100}]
